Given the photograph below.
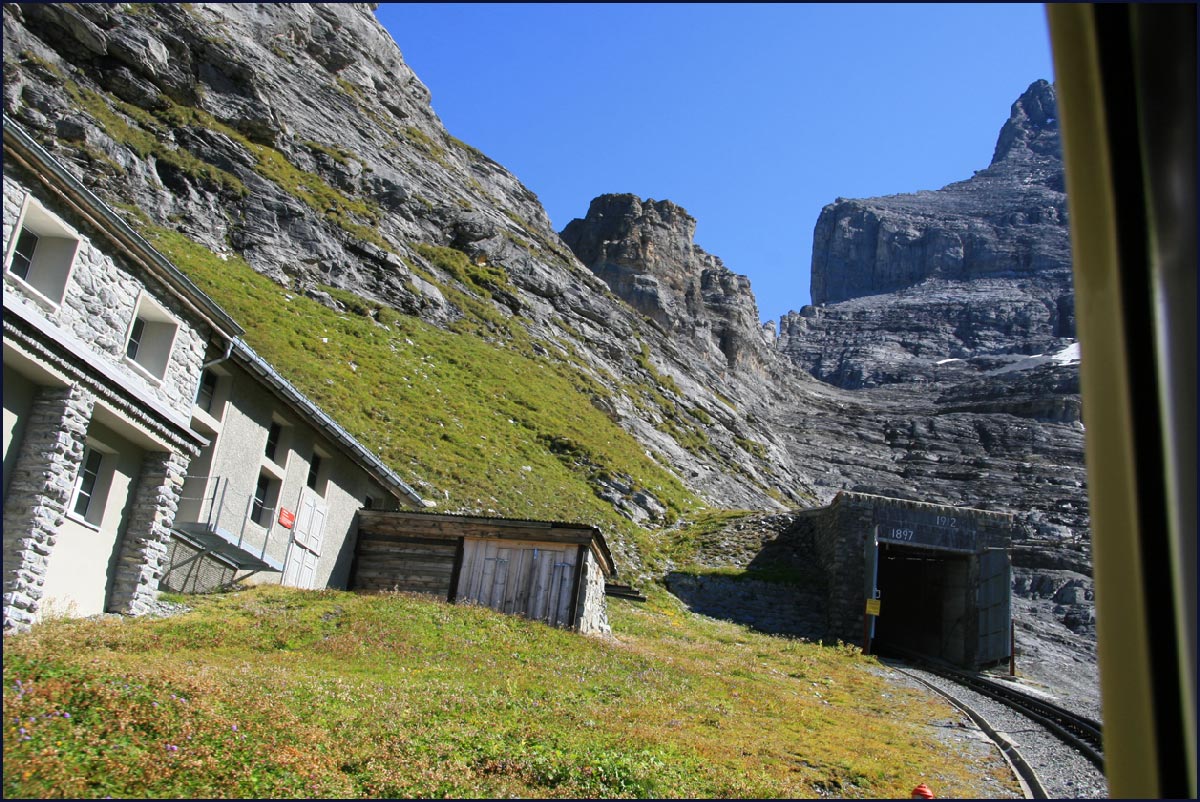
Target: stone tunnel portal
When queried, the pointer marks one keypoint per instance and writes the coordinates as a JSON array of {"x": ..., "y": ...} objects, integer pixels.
[{"x": 941, "y": 576}]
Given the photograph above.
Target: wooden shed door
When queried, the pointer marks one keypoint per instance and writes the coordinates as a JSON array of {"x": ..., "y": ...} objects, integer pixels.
[{"x": 523, "y": 578}]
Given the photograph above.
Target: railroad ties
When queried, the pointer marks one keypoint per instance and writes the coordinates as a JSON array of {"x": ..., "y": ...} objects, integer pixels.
[{"x": 1081, "y": 734}]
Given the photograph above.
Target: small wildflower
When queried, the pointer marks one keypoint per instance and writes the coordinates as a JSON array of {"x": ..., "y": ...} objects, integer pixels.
[
  {"x": 172, "y": 748},
  {"x": 66, "y": 715},
  {"x": 235, "y": 728}
]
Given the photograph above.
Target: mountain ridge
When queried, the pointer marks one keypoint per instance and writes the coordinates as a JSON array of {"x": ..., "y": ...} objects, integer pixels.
[{"x": 296, "y": 141}]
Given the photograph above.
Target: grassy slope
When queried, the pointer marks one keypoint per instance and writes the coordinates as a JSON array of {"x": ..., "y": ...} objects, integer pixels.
[
  {"x": 483, "y": 419},
  {"x": 276, "y": 692},
  {"x": 473, "y": 416}
]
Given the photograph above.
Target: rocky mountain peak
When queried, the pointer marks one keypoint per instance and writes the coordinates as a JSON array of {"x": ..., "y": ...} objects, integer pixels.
[
  {"x": 1007, "y": 221},
  {"x": 295, "y": 137},
  {"x": 1032, "y": 126},
  {"x": 644, "y": 251}
]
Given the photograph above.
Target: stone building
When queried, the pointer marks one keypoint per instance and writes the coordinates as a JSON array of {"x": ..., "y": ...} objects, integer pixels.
[
  {"x": 144, "y": 442},
  {"x": 104, "y": 343},
  {"x": 941, "y": 575}
]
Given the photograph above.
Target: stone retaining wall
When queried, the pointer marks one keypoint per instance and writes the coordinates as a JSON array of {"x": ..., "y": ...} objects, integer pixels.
[{"x": 770, "y": 607}]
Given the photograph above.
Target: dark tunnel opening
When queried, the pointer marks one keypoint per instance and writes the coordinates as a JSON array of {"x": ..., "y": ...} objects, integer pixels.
[{"x": 923, "y": 597}]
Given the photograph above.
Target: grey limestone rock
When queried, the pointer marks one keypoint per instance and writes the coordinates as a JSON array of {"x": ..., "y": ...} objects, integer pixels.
[
  {"x": 210, "y": 119},
  {"x": 644, "y": 251}
]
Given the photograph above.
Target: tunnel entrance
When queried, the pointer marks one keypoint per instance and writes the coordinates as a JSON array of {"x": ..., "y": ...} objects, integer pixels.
[
  {"x": 923, "y": 602},
  {"x": 930, "y": 578}
]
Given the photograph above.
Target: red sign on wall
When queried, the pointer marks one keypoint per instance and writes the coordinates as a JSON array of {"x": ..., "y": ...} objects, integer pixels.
[{"x": 287, "y": 518}]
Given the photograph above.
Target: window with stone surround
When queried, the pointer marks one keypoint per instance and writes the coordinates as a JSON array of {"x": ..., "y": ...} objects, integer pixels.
[
  {"x": 42, "y": 254},
  {"x": 151, "y": 337}
]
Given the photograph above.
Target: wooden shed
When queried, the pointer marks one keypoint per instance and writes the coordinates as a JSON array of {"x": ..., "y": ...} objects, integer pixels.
[{"x": 543, "y": 570}]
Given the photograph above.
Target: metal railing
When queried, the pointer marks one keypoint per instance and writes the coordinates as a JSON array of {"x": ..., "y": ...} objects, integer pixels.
[{"x": 227, "y": 513}]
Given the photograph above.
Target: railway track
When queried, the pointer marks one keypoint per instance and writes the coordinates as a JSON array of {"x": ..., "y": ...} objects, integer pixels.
[{"x": 1080, "y": 734}]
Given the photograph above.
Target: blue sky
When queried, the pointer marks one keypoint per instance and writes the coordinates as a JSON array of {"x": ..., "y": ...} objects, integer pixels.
[{"x": 750, "y": 116}]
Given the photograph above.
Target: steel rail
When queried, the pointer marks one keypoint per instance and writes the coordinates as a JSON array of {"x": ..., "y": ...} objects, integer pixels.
[
  {"x": 1031, "y": 784},
  {"x": 1081, "y": 733}
]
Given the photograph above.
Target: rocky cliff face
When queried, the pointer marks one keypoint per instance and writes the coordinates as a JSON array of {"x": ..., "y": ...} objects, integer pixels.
[
  {"x": 980, "y": 267},
  {"x": 959, "y": 304},
  {"x": 644, "y": 252},
  {"x": 1008, "y": 220},
  {"x": 296, "y": 137}
]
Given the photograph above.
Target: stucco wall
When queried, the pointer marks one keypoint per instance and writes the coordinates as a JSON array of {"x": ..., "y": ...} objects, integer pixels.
[
  {"x": 18, "y": 398},
  {"x": 243, "y": 412},
  {"x": 78, "y": 577}
]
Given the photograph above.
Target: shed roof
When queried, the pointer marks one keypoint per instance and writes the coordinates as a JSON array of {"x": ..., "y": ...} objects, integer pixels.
[{"x": 455, "y": 525}]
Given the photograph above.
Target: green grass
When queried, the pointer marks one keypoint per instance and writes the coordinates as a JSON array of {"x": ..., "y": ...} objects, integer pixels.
[
  {"x": 683, "y": 543},
  {"x": 751, "y": 447},
  {"x": 143, "y": 132},
  {"x": 423, "y": 142},
  {"x": 278, "y": 692},
  {"x": 139, "y": 131},
  {"x": 467, "y": 412},
  {"x": 452, "y": 412}
]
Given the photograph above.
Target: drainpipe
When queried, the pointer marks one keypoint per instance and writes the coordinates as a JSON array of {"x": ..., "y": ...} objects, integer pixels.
[{"x": 222, "y": 358}]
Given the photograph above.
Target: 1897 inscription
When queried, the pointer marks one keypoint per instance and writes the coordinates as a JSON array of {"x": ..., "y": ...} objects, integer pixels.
[{"x": 927, "y": 528}]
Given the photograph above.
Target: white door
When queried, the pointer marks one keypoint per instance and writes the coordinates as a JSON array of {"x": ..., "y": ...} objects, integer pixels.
[{"x": 308, "y": 535}]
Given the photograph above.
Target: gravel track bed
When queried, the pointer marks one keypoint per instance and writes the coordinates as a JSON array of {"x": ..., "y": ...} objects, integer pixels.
[{"x": 1064, "y": 773}]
